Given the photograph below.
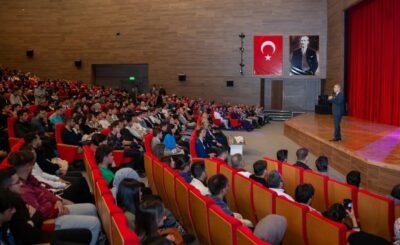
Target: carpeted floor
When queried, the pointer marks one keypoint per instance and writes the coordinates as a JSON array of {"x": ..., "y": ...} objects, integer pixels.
[{"x": 266, "y": 141}]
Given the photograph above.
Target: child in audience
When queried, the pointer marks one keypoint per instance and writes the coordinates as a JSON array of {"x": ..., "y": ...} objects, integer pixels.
[
  {"x": 271, "y": 229},
  {"x": 218, "y": 186},
  {"x": 275, "y": 183},
  {"x": 260, "y": 172}
]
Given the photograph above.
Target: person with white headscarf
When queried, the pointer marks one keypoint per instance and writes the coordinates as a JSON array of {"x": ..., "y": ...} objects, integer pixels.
[
  {"x": 271, "y": 229},
  {"x": 120, "y": 175},
  {"x": 397, "y": 231}
]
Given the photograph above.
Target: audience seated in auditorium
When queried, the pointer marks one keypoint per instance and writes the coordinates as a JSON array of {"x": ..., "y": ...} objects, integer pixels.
[
  {"x": 302, "y": 158},
  {"x": 304, "y": 194},
  {"x": 128, "y": 199},
  {"x": 71, "y": 134},
  {"x": 104, "y": 159},
  {"x": 217, "y": 115},
  {"x": 150, "y": 215},
  {"x": 48, "y": 205},
  {"x": 157, "y": 136},
  {"x": 23, "y": 224},
  {"x": 203, "y": 150},
  {"x": 321, "y": 163},
  {"x": 169, "y": 139},
  {"x": 221, "y": 156},
  {"x": 354, "y": 178},
  {"x": 120, "y": 175},
  {"x": 395, "y": 194},
  {"x": 199, "y": 174},
  {"x": 260, "y": 172},
  {"x": 271, "y": 229},
  {"x": 182, "y": 163},
  {"x": 40, "y": 122},
  {"x": 213, "y": 137},
  {"x": 275, "y": 183},
  {"x": 238, "y": 164},
  {"x": 218, "y": 186},
  {"x": 23, "y": 126},
  {"x": 282, "y": 155},
  {"x": 338, "y": 213}
]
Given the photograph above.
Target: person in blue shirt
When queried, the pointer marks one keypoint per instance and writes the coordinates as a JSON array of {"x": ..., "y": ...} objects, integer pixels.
[
  {"x": 57, "y": 117},
  {"x": 202, "y": 148}
]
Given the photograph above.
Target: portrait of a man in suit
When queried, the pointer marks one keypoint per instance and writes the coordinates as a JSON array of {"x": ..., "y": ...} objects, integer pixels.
[{"x": 304, "y": 55}]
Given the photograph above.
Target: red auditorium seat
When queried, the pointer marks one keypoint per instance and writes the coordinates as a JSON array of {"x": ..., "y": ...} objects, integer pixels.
[
  {"x": 67, "y": 152},
  {"x": 235, "y": 123},
  {"x": 273, "y": 165},
  {"x": 323, "y": 231},
  {"x": 245, "y": 237},
  {"x": 192, "y": 144},
  {"x": 320, "y": 184},
  {"x": 228, "y": 172},
  {"x": 182, "y": 190},
  {"x": 243, "y": 193},
  {"x": 222, "y": 226},
  {"x": 292, "y": 177},
  {"x": 198, "y": 206},
  {"x": 121, "y": 234},
  {"x": 263, "y": 201},
  {"x": 338, "y": 191},
  {"x": 12, "y": 139},
  {"x": 147, "y": 142}
]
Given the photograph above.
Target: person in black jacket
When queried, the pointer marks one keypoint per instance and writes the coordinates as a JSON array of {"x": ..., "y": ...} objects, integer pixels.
[
  {"x": 70, "y": 135},
  {"x": 260, "y": 172},
  {"x": 302, "y": 158},
  {"x": 304, "y": 59},
  {"x": 22, "y": 125},
  {"x": 21, "y": 224},
  {"x": 338, "y": 110}
]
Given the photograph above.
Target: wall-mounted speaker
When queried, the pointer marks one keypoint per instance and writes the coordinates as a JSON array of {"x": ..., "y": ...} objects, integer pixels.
[
  {"x": 78, "y": 63},
  {"x": 182, "y": 77},
  {"x": 29, "y": 53},
  {"x": 229, "y": 83}
]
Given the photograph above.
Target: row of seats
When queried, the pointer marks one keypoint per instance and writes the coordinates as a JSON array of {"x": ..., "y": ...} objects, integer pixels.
[
  {"x": 114, "y": 221},
  {"x": 197, "y": 213}
]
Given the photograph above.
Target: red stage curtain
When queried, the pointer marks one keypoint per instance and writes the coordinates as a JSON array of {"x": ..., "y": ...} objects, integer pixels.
[{"x": 373, "y": 61}]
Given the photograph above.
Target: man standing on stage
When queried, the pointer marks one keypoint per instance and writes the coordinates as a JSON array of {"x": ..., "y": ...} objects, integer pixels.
[{"x": 338, "y": 110}]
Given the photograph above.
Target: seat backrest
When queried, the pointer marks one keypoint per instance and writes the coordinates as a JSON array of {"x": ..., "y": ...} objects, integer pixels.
[
  {"x": 263, "y": 201},
  {"x": 397, "y": 211},
  {"x": 292, "y": 177},
  {"x": 228, "y": 172},
  {"x": 10, "y": 126},
  {"x": 147, "y": 142},
  {"x": 58, "y": 130},
  {"x": 106, "y": 131},
  {"x": 107, "y": 207},
  {"x": 198, "y": 206},
  {"x": 182, "y": 200},
  {"x": 245, "y": 237},
  {"x": 244, "y": 197},
  {"x": 322, "y": 231},
  {"x": 212, "y": 167},
  {"x": 192, "y": 144},
  {"x": 376, "y": 214},
  {"x": 148, "y": 167},
  {"x": 222, "y": 226},
  {"x": 273, "y": 165},
  {"x": 338, "y": 191},
  {"x": 320, "y": 184},
  {"x": 296, "y": 217},
  {"x": 169, "y": 185},
  {"x": 121, "y": 234},
  {"x": 18, "y": 145},
  {"x": 158, "y": 174},
  {"x": 100, "y": 188}
]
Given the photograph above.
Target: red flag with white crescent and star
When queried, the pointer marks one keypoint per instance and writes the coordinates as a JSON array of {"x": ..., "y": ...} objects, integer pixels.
[{"x": 268, "y": 55}]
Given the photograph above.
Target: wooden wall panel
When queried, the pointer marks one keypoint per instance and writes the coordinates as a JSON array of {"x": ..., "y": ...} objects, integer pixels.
[{"x": 196, "y": 37}]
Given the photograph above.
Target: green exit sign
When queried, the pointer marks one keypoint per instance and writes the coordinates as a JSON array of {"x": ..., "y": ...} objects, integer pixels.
[{"x": 132, "y": 78}]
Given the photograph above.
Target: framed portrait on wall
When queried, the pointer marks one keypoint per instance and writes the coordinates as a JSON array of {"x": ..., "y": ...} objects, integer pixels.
[{"x": 304, "y": 55}]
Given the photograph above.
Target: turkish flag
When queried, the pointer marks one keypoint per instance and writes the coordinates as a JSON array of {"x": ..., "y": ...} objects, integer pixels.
[{"x": 268, "y": 55}]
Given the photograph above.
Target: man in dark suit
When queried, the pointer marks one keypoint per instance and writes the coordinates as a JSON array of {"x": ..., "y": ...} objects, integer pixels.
[
  {"x": 304, "y": 59},
  {"x": 338, "y": 110}
]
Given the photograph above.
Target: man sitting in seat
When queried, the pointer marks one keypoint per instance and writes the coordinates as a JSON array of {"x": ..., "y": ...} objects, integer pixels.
[
  {"x": 57, "y": 117},
  {"x": 221, "y": 155},
  {"x": 104, "y": 159},
  {"x": 238, "y": 164},
  {"x": 275, "y": 184},
  {"x": 304, "y": 194},
  {"x": 22, "y": 125},
  {"x": 321, "y": 163},
  {"x": 302, "y": 158},
  {"x": 282, "y": 155},
  {"x": 218, "y": 186},
  {"x": 198, "y": 170},
  {"x": 260, "y": 172},
  {"x": 354, "y": 178},
  {"x": 182, "y": 164}
]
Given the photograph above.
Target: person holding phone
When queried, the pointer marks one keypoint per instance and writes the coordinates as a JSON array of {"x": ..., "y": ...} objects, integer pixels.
[{"x": 343, "y": 214}]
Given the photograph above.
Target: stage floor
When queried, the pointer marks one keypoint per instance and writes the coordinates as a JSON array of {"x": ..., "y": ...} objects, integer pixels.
[{"x": 371, "y": 148}]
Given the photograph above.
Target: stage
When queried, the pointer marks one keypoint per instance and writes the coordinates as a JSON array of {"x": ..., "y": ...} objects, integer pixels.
[{"x": 371, "y": 148}]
